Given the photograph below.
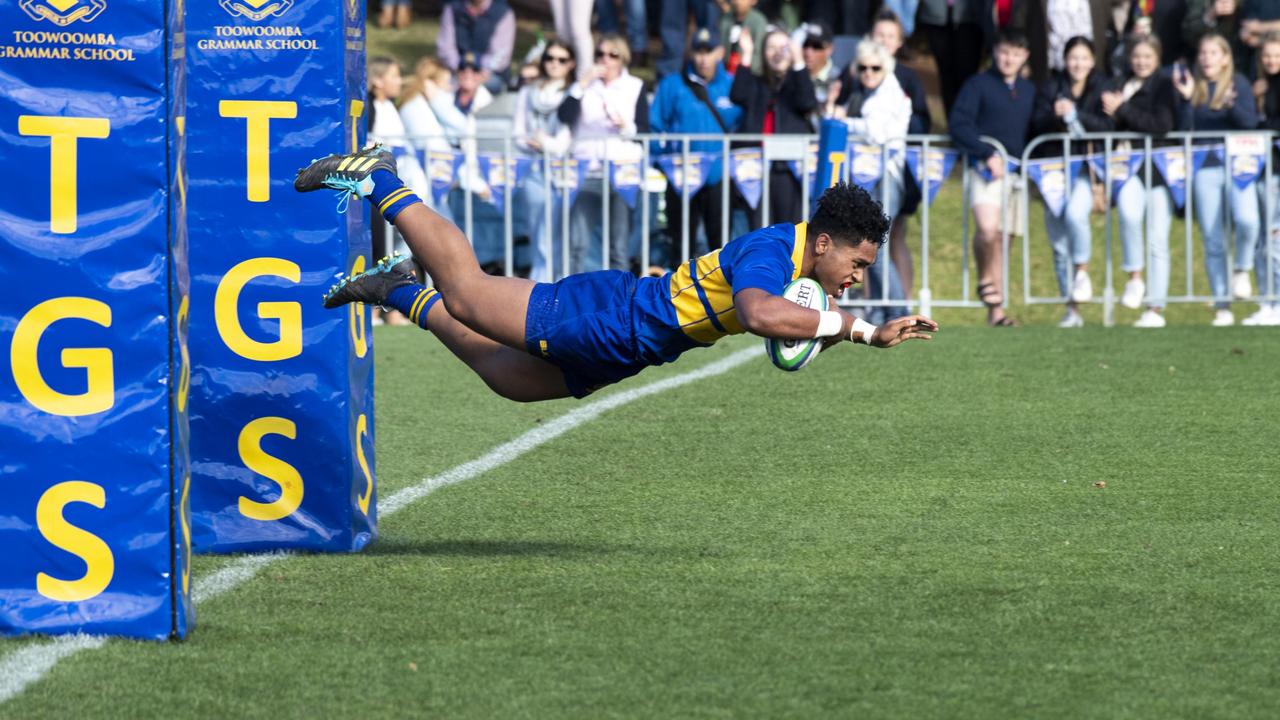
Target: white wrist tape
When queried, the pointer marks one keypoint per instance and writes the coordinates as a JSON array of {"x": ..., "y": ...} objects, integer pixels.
[
  {"x": 863, "y": 327},
  {"x": 829, "y": 323}
]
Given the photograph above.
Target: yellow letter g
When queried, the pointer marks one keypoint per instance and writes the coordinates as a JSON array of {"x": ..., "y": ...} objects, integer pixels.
[
  {"x": 227, "y": 317},
  {"x": 96, "y": 362}
]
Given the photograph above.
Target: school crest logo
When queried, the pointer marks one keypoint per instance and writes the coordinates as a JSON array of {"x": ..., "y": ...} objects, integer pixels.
[
  {"x": 63, "y": 12},
  {"x": 255, "y": 10}
]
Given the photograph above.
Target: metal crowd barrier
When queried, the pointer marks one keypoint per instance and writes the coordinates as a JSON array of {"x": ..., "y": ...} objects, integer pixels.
[
  {"x": 1146, "y": 144},
  {"x": 773, "y": 148}
]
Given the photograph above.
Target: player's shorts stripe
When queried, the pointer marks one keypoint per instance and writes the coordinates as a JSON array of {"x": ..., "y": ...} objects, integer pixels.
[{"x": 395, "y": 196}]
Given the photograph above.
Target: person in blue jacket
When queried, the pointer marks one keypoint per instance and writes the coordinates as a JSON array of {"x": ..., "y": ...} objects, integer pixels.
[
  {"x": 696, "y": 101},
  {"x": 999, "y": 104}
]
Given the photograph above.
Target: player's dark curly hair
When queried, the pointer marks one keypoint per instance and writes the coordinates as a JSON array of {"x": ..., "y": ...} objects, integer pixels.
[{"x": 850, "y": 216}]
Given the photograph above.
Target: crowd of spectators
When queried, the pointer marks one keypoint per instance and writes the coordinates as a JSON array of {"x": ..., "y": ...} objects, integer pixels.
[{"x": 779, "y": 67}]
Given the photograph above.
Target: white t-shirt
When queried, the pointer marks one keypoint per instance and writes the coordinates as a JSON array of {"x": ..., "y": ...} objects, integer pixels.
[{"x": 1067, "y": 19}]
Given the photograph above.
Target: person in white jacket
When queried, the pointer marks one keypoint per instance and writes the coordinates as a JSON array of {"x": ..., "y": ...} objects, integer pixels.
[
  {"x": 606, "y": 108},
  {"x": 539, "y": 133},
  {"x": 455, "y": 110},
  {"x": 420, "y": 121},
  {"x": 878, "y": 112}
]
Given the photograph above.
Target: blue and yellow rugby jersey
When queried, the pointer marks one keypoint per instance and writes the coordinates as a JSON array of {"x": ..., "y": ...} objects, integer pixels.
[{"x": 693, "y": 306}]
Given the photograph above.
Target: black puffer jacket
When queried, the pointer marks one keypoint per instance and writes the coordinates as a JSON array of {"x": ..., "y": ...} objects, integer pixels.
[{"x": 1045, "y": 121}]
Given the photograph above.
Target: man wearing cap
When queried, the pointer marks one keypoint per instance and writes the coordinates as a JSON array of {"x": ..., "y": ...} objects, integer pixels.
[
  {"x": 484, "y": 28},
  {"x": 816, "y": 45},
  {"x": 696, "y": 101}
]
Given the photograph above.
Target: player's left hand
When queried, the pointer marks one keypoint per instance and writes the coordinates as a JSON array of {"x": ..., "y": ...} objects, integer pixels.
[{"x": 898, "y": 330}]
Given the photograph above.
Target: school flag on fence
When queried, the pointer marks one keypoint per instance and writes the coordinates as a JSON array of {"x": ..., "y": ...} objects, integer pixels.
[
  {"x": 692, "y": 177},
  {"x": 1053, "y": 177},
  {"x": 625, "y": 178},
  {"x": 442, "y": 169},
  {"x": 502, "y": 177},
  {"x": 746, "y": 167},
  {"x": 1124, "y": 165},
  {"x": 1247, "y": 155},
  {"x": 937, "y": 167},
  {"x": 811, "y": 164},
  {"x": 868, "y": 165},
  {"x": 566, "y": 176},
  {"x": 1172, "y": 164}
]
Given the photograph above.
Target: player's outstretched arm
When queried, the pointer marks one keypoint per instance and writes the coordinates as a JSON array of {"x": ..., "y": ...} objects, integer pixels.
[{"x": 773, "y": 316}]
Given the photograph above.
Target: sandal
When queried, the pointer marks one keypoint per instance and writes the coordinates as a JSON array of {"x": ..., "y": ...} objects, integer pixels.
[{"x": 990, "y": 295}]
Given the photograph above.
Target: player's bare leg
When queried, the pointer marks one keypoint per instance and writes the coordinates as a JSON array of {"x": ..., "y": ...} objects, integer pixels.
[
  {"x": 511, "y": 373},
  {"x": 495, "y": 307}
]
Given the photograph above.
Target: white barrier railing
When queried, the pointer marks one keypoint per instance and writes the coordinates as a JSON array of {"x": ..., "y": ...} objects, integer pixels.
[{"x": 1106, "y": 148}]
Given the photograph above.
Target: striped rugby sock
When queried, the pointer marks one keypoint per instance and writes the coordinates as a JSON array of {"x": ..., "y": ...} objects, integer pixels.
[
  {"x": 414, "y": 301},
  {"x": 390, "y": 195}
]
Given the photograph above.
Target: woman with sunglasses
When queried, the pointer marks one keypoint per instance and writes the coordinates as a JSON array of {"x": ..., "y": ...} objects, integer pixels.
[
  {"x": 539, "y": 132},
  {"x": 777, "y": 102},
  {"x": 605, "y": 108},
  {"x": 878, "y": 112},
  {"x": 1071, "y": 103}
]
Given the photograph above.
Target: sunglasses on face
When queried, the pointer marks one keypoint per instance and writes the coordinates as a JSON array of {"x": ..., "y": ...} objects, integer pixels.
[
  {"x": 601, "y": 54},
  {"x": 560, "y": 59},
  {"x": 870, "y": 68}
]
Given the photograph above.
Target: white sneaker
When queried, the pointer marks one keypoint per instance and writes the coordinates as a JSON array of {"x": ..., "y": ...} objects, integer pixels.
[
  {"x": 1267, "y": 316},
  {"x": 1082, "y": 288},
  {"x": 1241, "y": 287},
  {"x": 1071, "y": 319},
  {"x": 1223, "y": 318},
  {"x": 1133, "y": 292},
  {"x": 1150, "y": 319}
]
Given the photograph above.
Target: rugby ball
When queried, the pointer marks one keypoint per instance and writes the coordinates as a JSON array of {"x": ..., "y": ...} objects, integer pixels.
[{"x": 792, "y": 355}]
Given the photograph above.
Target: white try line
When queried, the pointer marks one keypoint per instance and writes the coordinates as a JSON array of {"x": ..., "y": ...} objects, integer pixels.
[{"x": 28, "y": 665}]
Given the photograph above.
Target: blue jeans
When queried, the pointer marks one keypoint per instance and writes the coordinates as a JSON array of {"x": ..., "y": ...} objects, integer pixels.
[
  {"x": 1069, "y": 234},
  {"x": 637, "y": 22},
  {"x": 906, "y": 12},
  {"x": 889, "y": 194},
  {"x": 546, "y": 253},
  {"x": 1132, "y": 204},
  {"x": 675, "y": 18},
  {"x": 585, "y": 222},
  {"x": 1209, "y": 193},
  {"x": 1270, "y": 251}
]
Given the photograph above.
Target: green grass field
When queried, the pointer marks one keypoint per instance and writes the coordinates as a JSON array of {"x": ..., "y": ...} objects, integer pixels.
[{"x": 906, "y": 533}]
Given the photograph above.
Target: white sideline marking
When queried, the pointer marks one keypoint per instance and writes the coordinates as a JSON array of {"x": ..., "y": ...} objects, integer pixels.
[{"x": 31, "y": 663}]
